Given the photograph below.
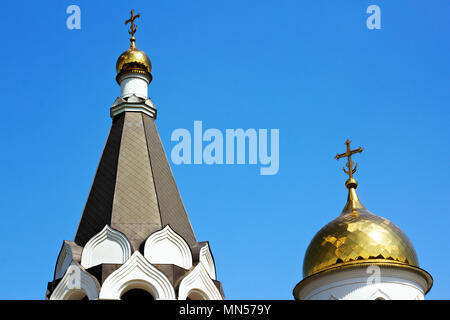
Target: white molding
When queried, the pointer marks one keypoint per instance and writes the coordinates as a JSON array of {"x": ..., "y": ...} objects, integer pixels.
[
  {"x": 107, "y": 246},
  {"x": 76, "y": 284},
  {"x": 379, "y": 294},
  {"x": 69, "y": 251},
  {"x": 198, "y": 281},
  {"x": 167, "y": 247},
  {"x": 133, "y": 108},
  {"x": 137, "y": 272},
  {"x": 133, "y": 103},
  {"x": 356, "y": 284},
  {"x": 205, "y": 257}
]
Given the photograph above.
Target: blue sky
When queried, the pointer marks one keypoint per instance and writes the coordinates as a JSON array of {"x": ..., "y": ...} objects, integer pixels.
[{"x": 308, "y": 68}]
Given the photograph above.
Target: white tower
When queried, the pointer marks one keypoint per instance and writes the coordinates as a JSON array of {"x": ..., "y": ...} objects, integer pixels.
[
  {"x": 134, "y": 240},
  {"x": 361, "y": 256}
]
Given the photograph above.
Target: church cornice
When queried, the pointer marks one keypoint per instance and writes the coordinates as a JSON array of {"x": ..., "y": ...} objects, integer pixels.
[{"x": 133, "y": 103}]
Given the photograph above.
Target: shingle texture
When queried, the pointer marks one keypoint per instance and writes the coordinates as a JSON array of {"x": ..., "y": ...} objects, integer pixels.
[{"x": 134, "y": 190}]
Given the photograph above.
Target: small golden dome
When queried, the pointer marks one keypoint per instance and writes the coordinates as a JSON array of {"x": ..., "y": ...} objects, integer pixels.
[
  {"x": 357, "y": 236},
  {"x": 133, "y": 60}
]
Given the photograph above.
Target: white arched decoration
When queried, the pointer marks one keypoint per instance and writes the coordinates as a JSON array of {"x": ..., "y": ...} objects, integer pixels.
[
  {"x": 198, "y": 281},
  {"x": 206, "y": 258},
  {"x": 195, "y": 294},
  {"x": 167, "y": 247},
  {"x": 69, "y": 251},
  {"x": 76, "y": 284},
  {"x": 137, "y": 273},
  {"x": 107, "y": 246},
  {"x": 379, "y": 295}
]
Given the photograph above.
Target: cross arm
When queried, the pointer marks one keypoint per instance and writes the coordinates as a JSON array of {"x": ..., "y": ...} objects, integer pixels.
[
  {"x": 357, "y": 150},
  {"x": 338, "y": 156}
]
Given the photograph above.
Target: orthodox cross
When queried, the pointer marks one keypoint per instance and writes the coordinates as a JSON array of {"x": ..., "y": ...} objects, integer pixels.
[
  {"x": 348, "y": 154},
  {"x": 132, "y": 30}
]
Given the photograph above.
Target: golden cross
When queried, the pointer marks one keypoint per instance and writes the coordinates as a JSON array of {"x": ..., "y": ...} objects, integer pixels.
[
  {"x": 348, "y": 154},
  {"x": 132, "y": 30}
]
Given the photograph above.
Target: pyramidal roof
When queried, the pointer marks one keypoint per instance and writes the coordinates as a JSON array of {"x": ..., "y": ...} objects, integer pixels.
[{"x": 134, "y": 190}]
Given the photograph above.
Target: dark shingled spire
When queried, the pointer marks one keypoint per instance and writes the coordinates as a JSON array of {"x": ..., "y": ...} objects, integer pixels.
[{"x": 134, "y": 190}]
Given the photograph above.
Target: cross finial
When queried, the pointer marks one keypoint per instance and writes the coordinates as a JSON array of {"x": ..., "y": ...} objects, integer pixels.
[
  {"x": 133, "y": 28},
  {"x": 348, "y": 154}
]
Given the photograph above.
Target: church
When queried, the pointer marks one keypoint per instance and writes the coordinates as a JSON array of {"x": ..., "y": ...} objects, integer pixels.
[{"x": 135, "y": 240}]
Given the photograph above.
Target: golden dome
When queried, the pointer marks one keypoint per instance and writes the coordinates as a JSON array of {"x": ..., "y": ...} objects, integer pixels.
[
  {"x": 357, "y": 236},
  {"x": 133, "y": 60}
]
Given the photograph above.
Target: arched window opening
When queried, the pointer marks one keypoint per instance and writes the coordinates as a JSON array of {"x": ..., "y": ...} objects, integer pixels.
[
  {"x": 137, "y": 294},
  {"x": 196, "y": 295},
  {"x": 76, "y": 294}
]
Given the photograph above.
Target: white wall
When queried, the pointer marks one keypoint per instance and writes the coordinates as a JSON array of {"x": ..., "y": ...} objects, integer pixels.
[
  {"x": 134, "y": 83},
  {"x": 359, "y": 283}
]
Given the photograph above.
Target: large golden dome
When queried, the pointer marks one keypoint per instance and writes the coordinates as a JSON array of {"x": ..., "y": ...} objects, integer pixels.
[
  {"x": 357, "y": 236},
  {"x": 358, "y": 239}
]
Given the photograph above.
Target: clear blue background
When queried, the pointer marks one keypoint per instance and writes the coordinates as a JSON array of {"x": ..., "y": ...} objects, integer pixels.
[{"x": 310, "y": 68}]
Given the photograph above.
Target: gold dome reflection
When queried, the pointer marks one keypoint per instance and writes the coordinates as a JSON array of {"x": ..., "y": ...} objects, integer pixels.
[
  {"x": 357, "y": 235},
  {"x": 357, "y": 239},
  {"x": 133, "y": 60}
]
